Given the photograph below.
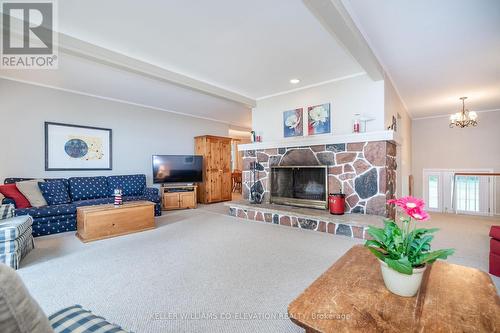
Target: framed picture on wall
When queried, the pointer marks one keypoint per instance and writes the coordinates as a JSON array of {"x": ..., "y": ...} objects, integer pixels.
[
  {"x": 293, "y": 123},
  {"x": 318, "y": 119},
  {"x": 74, "y": 147}
]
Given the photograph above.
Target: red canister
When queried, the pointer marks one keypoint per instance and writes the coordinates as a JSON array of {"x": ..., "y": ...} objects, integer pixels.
[{"x": 336, "y": 203}]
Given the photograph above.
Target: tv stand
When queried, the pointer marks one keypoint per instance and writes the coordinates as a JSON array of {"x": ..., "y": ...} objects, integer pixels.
[{"x": 178, "y": 196}]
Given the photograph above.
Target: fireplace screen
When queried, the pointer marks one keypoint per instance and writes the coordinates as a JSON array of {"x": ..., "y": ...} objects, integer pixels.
[{"x": 299, "y": 186}]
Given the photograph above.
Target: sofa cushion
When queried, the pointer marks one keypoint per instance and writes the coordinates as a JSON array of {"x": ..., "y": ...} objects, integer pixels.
[
  {"x": 19, "y": 312},
  {"x": 54, "y": 224},
  {"x": 11, "y": 191},
  {"x": 494, "y": 264},
  {"x": 55, "y": 192},
  {"x": 54, "y": 210},
  {"x": 129, "y": 198},
  {"x": 83, "y": 188},
  {"x": 93, "y": 202},
  {"x": 31, "y": 190},
  {"x": 77, "y": 319},
  {"x": 65, "y": 209},
  {"x": 129, "y": 184},
  {"x": 495, "y": 232},
  {"x": 495, "y": 246}
]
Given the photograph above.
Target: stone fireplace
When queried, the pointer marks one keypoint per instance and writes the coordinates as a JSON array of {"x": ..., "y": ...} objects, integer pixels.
[
  {"x": 305, "y": 186},
  {"x": 364, "y": 171}
]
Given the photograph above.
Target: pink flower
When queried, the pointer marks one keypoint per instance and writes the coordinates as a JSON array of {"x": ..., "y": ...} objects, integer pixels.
[
  {"x": 418, "y": 214},
  {"x": 408, "y": 202},
  {"x": 414, "y": 207}
]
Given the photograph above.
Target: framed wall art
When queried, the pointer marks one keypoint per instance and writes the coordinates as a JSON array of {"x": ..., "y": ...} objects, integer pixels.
[
  {"x": 293, "y": 123},
  {"x": 74, "y": 147},
  {"x": 318, "y": 119}
]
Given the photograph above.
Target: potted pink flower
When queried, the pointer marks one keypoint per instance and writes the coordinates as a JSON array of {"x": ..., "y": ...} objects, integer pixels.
[{"x": 404, "y": 251}]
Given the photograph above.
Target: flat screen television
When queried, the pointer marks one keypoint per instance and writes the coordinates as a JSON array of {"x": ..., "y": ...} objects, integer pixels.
[{"x": 177, "y": 169}]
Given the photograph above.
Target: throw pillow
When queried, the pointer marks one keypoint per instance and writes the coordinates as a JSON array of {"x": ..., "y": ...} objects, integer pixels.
[
  {"x": 30, "y": 189},
  {"x": 11, "y": 191},
  {"x": 1, "y": 197},
  {"x": 6, "y": 211},
  {"x": 55, "y": 192},
  {"x": 19, "y": 312}
]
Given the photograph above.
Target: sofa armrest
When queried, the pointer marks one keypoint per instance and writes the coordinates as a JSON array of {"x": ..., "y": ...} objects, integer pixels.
[{"x": 152, "y": 194}]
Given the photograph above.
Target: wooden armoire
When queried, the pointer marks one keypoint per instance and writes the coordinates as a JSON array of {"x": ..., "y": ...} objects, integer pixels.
[{"x": 216, "y": 152}]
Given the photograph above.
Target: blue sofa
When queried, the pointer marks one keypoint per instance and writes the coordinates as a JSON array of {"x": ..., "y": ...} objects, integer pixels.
[{"x": 85, "y": 191}]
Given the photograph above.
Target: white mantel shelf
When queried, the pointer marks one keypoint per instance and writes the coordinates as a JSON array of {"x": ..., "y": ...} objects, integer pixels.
[{"x": 323, "y": 140}]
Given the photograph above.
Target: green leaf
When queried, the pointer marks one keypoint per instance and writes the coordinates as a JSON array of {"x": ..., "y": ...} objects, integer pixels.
[
  {"x": 422, "y": 231},
  {"x": 377, "y": 253},
  {"x": 418, "y": 245},
  {"x": 390, "y": 226},
  {"x": 434, "y": 255},
  {"x": 372, "y": 242},
  {"x": 377, "y": 233},
  {"x": 418, "y": 241},
  {"x": 401, "y": 265}
]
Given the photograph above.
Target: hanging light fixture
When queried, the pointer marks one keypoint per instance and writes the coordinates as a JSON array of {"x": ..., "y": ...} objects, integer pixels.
[{"x": 464, "y": 118}]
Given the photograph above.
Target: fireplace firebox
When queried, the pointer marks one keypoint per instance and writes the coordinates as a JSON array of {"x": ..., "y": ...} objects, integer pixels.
[{"x": 304, "y": 186}]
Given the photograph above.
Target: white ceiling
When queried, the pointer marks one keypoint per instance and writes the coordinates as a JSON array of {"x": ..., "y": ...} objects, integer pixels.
[
  {"x": 436, "y": 51},
  {"x": 88, "y": 77},
  {"x": 250, "y": 47}
]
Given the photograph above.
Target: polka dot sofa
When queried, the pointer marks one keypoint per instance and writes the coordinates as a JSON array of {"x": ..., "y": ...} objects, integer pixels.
[{"x": 85, "y": 191}]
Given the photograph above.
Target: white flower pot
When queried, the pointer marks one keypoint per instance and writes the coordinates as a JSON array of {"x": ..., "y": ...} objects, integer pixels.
[{"x": 402, "y": 284}]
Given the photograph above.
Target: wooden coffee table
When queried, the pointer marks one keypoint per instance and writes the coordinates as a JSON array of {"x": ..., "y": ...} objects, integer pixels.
[
  {"x": 105, "y": 221},
  {"x": 351, "y": 297}
]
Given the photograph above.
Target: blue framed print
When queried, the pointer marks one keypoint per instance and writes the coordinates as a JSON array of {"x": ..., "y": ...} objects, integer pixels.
[
  {"x": 293, "y": 123},
  {"x": 318, "y": 119}
]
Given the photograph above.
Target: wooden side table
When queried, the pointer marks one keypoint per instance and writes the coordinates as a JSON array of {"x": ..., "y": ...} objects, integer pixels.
[{"x": 351, "y": 297}]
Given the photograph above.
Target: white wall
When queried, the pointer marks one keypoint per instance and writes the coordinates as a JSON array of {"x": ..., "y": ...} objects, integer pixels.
[
  {"x": 138, "y": 132},
  {"x": 436, "y": 146},
  {"x": 347, "y": 97},
  {"x": 395, "y": 107}
]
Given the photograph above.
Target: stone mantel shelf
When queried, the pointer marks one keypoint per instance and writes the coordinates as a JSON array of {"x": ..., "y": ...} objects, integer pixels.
[{"x": 323, "y": 139}]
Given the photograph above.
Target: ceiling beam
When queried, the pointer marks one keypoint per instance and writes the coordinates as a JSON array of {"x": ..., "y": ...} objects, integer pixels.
[
  {"x": 76, "y": 47},
  {"x": 79, "y": 48},
  {"x": 337, "y": 21}
]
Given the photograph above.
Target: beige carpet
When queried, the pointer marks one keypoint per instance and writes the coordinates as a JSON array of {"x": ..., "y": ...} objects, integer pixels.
[
  {"x": 467, "y": 234},
  {"x": 201, "y": 271}
]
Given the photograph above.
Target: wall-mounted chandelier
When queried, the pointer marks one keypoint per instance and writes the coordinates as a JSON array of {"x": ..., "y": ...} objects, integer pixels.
[{"x": 464, "y": 118}]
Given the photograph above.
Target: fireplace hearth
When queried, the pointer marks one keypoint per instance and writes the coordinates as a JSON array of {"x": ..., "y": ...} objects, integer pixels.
[{"x": 304, "y": 186}]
